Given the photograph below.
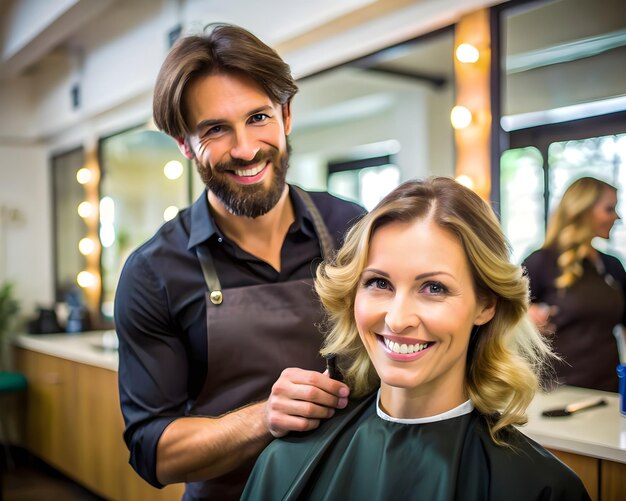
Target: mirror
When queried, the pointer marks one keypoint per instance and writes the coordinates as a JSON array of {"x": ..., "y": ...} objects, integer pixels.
[
  {"x": 564, "y": 118},
  {"x": 145, "y": 181},
  {"x": 68, "y": 226},
  {"x": 362, "y": 128}
]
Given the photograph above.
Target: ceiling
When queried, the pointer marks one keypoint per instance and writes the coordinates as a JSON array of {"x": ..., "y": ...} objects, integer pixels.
[{"x": 542, "y": 40}]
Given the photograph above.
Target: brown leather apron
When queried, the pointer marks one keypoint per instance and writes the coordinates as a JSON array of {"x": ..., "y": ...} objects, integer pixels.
[{"x": 253, "y": 334}]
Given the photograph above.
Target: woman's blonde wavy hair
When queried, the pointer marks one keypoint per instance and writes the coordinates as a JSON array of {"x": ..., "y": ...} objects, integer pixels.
[
  {"x": 506, "y": 356},
  {"x": 569, "y": 230}
]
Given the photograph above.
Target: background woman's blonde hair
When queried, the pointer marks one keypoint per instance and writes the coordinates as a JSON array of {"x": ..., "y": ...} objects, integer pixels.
[
  {"x": 506, "y": 355},
  {"x": 569, "y": 230}
]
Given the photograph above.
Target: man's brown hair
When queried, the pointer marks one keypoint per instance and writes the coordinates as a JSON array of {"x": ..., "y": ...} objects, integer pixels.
[{"x": 222, "y": 49}]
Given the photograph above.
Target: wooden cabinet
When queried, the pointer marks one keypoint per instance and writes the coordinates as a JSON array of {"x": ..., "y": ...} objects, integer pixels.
[
  {"x": 613, "y": 480},
  {"x": 587, "y": 468},
  {"x": 604, "y": 480},
  {"x": 74, "y": 423}
]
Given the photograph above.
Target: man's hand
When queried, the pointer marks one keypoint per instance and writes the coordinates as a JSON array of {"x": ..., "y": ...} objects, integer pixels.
[{"x": 300, "y": 398}]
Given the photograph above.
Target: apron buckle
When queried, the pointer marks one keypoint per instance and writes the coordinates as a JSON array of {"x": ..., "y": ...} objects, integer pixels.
[{"x": 216, "y": 297}]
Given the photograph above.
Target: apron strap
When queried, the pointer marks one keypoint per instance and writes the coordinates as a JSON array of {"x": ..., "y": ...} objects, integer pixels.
[
  {"x": 326, "y": 242},
  {"x": 210, "y": 275},
  {"x": 206, "y": 261}
]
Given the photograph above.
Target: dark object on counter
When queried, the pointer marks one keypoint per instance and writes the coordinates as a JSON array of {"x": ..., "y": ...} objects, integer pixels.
[
  {"x": 570, "y": 409},
  {"x": 78, "y": 320},
  {"x": 45, "y": 323}
]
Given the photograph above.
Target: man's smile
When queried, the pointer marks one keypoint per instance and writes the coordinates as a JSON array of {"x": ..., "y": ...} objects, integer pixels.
[{"x": 251, "y": 174}]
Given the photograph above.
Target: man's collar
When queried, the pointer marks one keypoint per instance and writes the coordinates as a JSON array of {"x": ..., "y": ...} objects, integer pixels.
[
  {"x": 302, "y": 218},
  {"x": 203, "y": 225}
]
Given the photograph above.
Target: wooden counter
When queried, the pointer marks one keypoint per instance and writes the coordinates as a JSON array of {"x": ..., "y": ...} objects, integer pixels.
[
  {"x": 85, "y": 348},
  {"x": 73, "y": 417}
]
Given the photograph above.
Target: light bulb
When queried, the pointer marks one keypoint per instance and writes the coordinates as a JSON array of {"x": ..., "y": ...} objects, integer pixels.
[
  {"x": 467, "y": 53},
  {"x": 84, "y": 175},
  {"x": 460, "y": 117},
  {"x": 86, "y": 246},
  {"x": 85, "y": 209},
  {"x": 173, "y": 169},
  {"x": 466, "y": 181},
  {"x": 86, "y": 279},
  {"x": 170, "y": 213}
]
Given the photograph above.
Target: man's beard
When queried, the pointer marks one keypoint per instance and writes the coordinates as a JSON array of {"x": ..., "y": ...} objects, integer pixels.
[{"x": 252, "y": 200}]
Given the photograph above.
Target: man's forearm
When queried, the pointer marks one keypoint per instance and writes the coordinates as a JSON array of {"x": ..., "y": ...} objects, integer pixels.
[{"x": 200, "y": 448}]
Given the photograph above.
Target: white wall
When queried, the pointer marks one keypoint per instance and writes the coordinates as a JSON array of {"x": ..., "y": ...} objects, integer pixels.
[
  {"x": 25, "y": 224},
  {"x": 17, "y": 111}
]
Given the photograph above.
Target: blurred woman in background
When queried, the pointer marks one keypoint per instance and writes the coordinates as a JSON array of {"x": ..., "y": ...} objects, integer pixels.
[{"x": 578, "y": 292}]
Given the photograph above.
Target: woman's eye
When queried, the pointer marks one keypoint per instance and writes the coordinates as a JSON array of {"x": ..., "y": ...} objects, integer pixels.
[
  {"x": 435, "y": 288},
  {"x": 377, "y": 283}
]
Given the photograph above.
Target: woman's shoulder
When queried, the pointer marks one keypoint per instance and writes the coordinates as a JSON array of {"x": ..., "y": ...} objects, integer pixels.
[
  {"x": 527, "y": 470},
  {"x": 613, "y": 265},
  {"x": 542, "y": 256},
  {"x": 285, "y": 464}
]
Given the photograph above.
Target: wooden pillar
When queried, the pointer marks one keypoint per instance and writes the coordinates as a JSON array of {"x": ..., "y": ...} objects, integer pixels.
[{"x": 472, "y": 92}]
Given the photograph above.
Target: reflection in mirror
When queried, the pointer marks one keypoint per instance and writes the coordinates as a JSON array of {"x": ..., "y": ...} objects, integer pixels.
[
  {"x": 145, "y": 181},
  {"x": 563, "y": 111},
  {"x": 69, "y": 227},
  {"x": 564, "y": 118},
  {"x": 362, "y": 128}
]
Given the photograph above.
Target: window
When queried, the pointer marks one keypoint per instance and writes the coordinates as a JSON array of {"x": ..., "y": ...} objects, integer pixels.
[
  {"x": 365, "y": 181},
  {"x": 522, "y": 200}
]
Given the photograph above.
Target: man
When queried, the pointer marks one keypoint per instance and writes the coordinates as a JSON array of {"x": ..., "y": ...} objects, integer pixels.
[{"x": 207, "y": 378}]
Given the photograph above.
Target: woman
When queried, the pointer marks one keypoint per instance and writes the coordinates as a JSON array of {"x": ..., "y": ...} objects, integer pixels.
[
  {"x": 577, "y": 292},
  {"x": 424, "y": 306}
]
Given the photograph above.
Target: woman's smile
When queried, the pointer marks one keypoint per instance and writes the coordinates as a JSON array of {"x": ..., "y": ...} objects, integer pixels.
[{"x": 400, "y": 349}]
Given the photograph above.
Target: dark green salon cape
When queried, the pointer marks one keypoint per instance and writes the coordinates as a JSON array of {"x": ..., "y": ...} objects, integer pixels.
[{"x": 356, "y": 455}]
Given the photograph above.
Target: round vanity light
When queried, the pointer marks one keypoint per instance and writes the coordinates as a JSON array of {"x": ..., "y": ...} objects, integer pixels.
[
  {"x": 84, "y": 175},
  {"x": 170, "y": 213},
  {"x": 173, "y": 169},
  {"x": 86, "y": 279},
  {"x": 85, "y": 209},
  {"x": 86, "y": 246},
  {"x": 467, "y": 53},
  {"x": 466, "y": 181},
  {"x": 460, "y": 117}
]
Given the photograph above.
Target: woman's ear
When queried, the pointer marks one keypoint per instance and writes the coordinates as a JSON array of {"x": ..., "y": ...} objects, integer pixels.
[
  {"x": 485, "y": 311},
  {"x": 185, "y": 149}
]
